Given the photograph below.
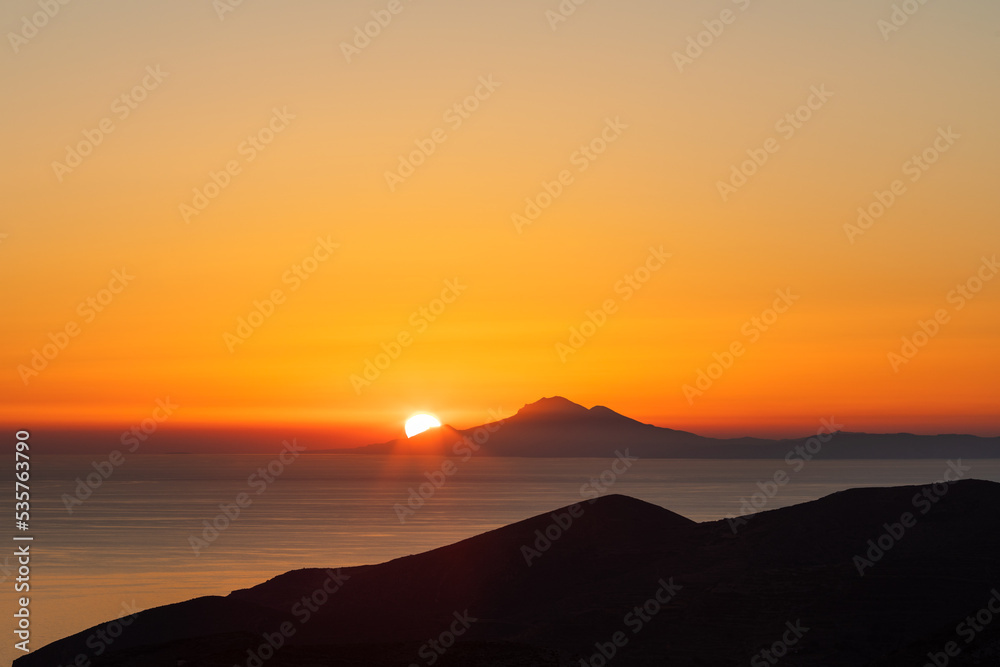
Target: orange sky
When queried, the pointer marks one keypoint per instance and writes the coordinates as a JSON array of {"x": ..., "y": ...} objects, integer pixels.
[{"x": 620, "y": 141}]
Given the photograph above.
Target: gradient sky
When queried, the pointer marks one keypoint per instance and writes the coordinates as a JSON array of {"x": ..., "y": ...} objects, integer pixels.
[{"x": 495, "y": 347}]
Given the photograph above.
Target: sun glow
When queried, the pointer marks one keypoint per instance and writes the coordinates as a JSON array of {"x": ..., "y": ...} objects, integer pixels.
[{"x": 420, "y": 423}]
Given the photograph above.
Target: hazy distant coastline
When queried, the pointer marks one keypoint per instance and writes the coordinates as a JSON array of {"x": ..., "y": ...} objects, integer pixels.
[{"x": 551, "y": 428}]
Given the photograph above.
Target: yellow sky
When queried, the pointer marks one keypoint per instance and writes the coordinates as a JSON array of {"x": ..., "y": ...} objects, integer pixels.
[{"x": 250, "y": 153}]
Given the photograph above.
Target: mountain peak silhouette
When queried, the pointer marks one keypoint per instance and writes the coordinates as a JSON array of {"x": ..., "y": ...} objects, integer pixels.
[
  {"x": 556, "y": 406},
  {"x": 556, "y": 427}
]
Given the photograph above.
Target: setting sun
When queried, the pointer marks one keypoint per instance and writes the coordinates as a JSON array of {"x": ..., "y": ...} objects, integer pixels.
[{"x": 420, "y": 423}]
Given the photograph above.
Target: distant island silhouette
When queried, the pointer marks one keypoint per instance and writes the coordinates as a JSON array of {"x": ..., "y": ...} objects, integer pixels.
[
  {"x": 872, "y": 576},
  {"x": 557, "y": 427},
  {"x": 550, "y": 427}
]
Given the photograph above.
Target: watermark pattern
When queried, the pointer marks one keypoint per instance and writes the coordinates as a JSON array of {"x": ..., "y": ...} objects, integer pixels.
[
  {"x": 31, "y": 25},
  {"x": 223, "y": 7},
  {"x": 59, "y": 340},
  {"x": 787, "y": 126},
  {"x": 463, "y": 449},
  {"x": 968, "y": 630},
  {"x": 697, "y": 43},
  {"x": 303, "y": 610},
  {"x": 294, "y": 277},
  {"x": 796, "y": 459},
  {"x": 627, "y": 287},
  {"x": 133, "y": 438},
  {"x": 364, "y": 34},
  {"x": 582, "y": 159},
  {"x": 432, "y": 650},
  {"x": 22, "y": 617},
  {"x": 122, "y": 107},
  {"x": 635, "y": 620},
  {"x": 597, "y": 486},
  {"x": 562, "y": 12},
  {"x": 103, "y": 637},
  {"x": 899, "y": 17},
  {"x": 780, "y": 648},
  {"x": 924, "y": 502},
  {"x": 752, "y": 329},
  {"x": 455, "y": 117},
  {"x": 561, "y": 522},
  {"x": 421, "y": 320},
  {"x": 928, "y": 329},
  {"x": 249, "y": 149},
  {"x": 259, "y": 482},
  {"x": 914, "y": 168}
]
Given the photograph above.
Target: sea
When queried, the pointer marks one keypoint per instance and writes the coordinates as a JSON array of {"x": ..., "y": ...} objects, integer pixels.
[{"x": 158, "y": 529}]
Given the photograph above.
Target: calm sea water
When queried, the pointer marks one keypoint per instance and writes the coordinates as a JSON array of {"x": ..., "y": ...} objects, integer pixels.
[{"x": 129, "y": 543}]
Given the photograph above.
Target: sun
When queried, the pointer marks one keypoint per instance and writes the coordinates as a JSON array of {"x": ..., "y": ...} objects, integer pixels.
[{"x": 420, "y": 423}]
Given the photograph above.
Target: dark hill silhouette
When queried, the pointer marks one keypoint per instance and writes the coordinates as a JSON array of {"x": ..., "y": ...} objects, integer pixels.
[
  {"x": 557, "y": 427},
  {"x": 732, "y": 592}
]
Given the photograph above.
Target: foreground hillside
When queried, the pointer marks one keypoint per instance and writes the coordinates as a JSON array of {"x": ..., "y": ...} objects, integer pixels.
[{"x": 863, "y": 577}]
